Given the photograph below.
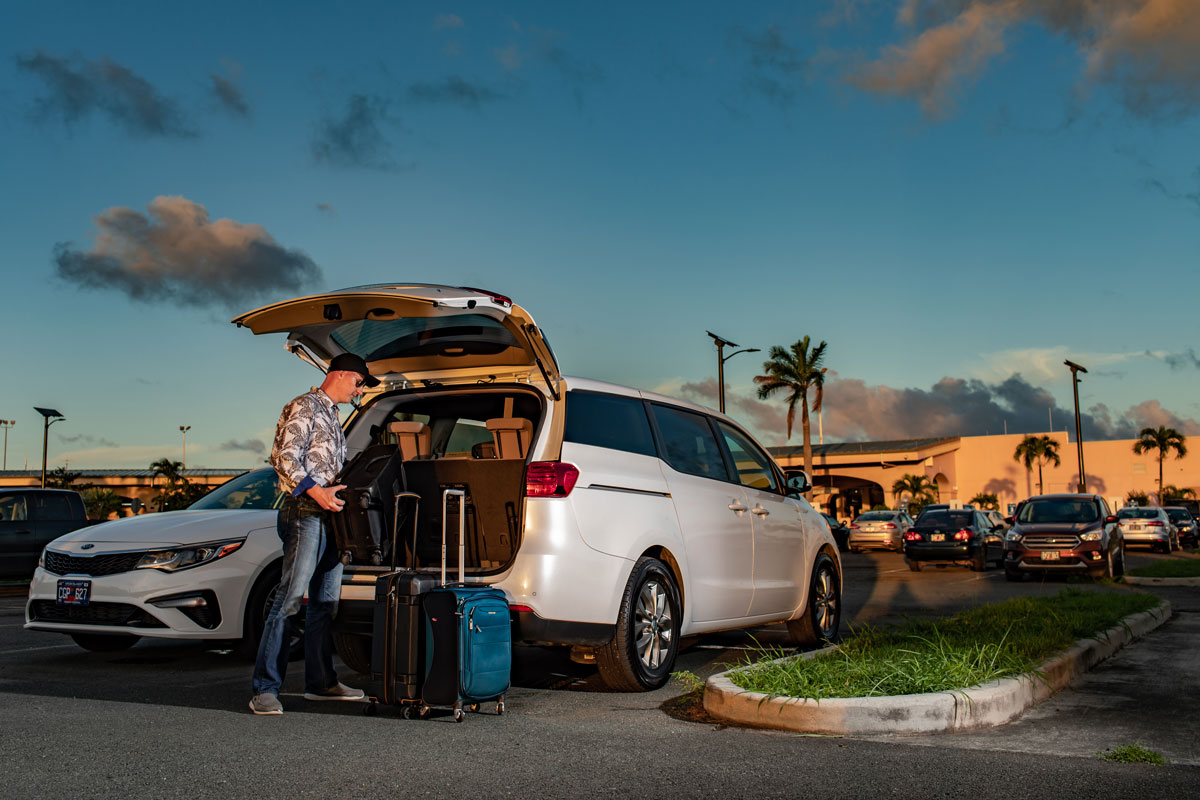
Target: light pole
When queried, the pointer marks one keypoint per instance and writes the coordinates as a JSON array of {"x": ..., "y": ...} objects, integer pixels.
[
  {"x": 47, "y": 413},
  {"x": 6, "y": 423},
  {"x": 721, "y": 359},
  {"x": 1075, "y": 370},
  {"x": 184, "y": 429}
]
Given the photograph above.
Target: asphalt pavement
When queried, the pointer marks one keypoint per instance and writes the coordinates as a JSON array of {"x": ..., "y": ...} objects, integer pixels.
[{"x": 168, "y": 719}]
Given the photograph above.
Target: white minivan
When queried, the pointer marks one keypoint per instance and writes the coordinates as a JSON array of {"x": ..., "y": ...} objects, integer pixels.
[{"x": 616, "y": 521}]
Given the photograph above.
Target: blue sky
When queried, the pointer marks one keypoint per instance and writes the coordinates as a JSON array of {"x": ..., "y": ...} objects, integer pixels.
[{"x": 956, "y": 196}]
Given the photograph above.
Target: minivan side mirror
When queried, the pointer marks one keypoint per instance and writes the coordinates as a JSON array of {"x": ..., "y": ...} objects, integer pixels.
[{"x": 797, "y": 483}]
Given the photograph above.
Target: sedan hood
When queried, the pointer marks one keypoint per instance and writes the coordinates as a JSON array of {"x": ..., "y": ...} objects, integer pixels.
[{"x": 171, "y": 528}]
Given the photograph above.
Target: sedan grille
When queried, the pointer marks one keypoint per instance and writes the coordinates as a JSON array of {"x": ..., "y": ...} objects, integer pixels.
[
  {"x": 94, "y": 614},
  {"x": 103, "y": 564},
  {"x": 1051, "y": 541}
]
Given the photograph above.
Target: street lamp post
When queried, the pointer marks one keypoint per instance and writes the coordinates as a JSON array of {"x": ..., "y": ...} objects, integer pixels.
[
  {"x": 47, "y": 413},
  {"x": 6, "y": 423},
  {"x": 721, "y": 359},
  {"x": 1075, "y": 370},
  {"x": 184, "y": 429}
]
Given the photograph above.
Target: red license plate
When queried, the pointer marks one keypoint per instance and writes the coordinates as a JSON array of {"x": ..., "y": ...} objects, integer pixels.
[{"x": 74, "y": 593}]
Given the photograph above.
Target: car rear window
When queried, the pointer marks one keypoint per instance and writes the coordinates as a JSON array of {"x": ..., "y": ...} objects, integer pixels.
[
  {"x": 960, "y": 519},
  {"x": 1138, "y": 513},
  {"x": 1178, "y": 513},
  {"x": 375, "y": 339},
  {"x": 1064, "y": 511},
  {"x": 876, "y": 516},
  {"x": 689, "y": 444},
  {"x": 608, "y": 420}
]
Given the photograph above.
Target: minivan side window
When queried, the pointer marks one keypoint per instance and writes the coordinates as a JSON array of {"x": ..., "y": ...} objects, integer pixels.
[
  {"x": 13, "y": 508},
  {"x": 753, "y": 467},
  {"x": 608, "y": 420},
  {"x": 689, "y": 445}
]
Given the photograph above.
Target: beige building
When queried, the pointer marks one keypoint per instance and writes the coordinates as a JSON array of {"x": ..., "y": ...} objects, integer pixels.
[
  {"x": 141, "y": 484},
  {"x": 852, "y": 476}
]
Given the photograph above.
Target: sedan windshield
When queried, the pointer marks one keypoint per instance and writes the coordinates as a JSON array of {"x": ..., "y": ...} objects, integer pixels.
[
  {"x": 1065, "y": 511},
  {"x": 257, "y": 489}
]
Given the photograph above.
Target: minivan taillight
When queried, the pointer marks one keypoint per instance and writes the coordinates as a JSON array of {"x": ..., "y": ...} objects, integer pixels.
[{"x": 550, "y": 479}]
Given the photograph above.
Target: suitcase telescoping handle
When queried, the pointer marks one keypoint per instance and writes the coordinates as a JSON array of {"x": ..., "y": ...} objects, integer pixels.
[
  {"x": 462, "y": 530},
  {"x": 416, "y": 498}
]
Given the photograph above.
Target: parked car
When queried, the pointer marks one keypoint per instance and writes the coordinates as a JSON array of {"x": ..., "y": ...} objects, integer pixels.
[
  {"x": 1150, "y": 526},
  {"x": 29, "y": 520},
  {"x": 840, "y": 531},
  {"x": 879, "y": 530},
  {"x": 207, "y": 572},
  {"x": 955, "y": 535},
  {"x": 998, "y": 519},
  {"x": 1064, "y": 533},
  {"x": 1185, "y": 524},
  {"x": 615, "y": 520}
]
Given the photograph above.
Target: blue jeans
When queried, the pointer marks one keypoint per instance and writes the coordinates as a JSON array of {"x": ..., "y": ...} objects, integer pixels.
[{"x": 308, "y": 560}]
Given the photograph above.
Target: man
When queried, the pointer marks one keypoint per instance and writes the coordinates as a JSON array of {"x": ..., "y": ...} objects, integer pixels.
[{"x": 308, "y": 452}]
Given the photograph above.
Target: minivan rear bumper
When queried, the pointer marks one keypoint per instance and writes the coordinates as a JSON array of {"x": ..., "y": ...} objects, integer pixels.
[{"x": 529, "y": 628}]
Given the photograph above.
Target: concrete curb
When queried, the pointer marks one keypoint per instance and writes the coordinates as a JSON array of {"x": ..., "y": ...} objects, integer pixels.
[
  {"x": 987, "y": 705},
  {"x": 1134, "y": 580}
]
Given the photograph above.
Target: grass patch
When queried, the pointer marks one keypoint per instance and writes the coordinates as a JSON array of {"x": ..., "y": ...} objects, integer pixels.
[
  {"x": 1169, "y": 568},
  {"x": 1133, "y": 754},
  {"x": 983, "y": 644}
]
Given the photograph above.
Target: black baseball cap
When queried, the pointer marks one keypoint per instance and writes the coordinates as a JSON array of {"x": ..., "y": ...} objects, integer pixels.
[{"x": 349, "y": 362}]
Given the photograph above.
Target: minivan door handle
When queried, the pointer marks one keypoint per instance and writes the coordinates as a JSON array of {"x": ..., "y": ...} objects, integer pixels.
[
  {"x": 736, "y": 506},
  {"x": 762, "y": 512}
]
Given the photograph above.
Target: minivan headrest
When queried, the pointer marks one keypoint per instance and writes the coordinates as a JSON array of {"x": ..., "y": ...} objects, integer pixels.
[
  {"x": 413, "y": 439},
  {"x": 511, "y": 435}
]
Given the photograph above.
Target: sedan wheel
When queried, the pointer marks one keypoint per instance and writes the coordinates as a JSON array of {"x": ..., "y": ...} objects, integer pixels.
[
  {"x": 642, "y": 652},
  {"x": 258, "y": 607}
]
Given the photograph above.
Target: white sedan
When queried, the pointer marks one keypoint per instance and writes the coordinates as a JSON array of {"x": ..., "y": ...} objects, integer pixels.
[{"x": 208, "y": 572}]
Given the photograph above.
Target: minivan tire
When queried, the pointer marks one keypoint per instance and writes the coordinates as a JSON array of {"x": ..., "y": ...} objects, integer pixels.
[
  {"x": 818, "y": 625},
  {"x": 650, "y": 605}
]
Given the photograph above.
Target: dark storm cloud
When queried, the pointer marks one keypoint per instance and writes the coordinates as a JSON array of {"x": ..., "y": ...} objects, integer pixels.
[
  {"x": 249, "y": 445},
  {"x": 84, "y": 439},
  {"x": 229, "y": 95},
  {"x": 452, "y": 90},
  {"x": 176, "y": 254},
  {"x": 77, "y": 88},
  {"x": 355, "y": 139},
  {"x": 776, "y": 68}
]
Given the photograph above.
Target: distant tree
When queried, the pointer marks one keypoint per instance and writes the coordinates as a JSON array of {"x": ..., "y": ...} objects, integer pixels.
[
  {"x": 101, "y": 503},
  {"x": 796, "y": 371},
  {"x": 1039, "y": 450},
  {"x": 176, "y": 492},
  {"x": 1162, "y": 439},
  {"x": 1136, "y": 498},
  {"x": 987, "y": 501},
  {"x": 1171, "y": 494},
  {"x": 171, "y": 470},
  {"x": 61, "y": 478},
  {"x": 921, "y": 491}
]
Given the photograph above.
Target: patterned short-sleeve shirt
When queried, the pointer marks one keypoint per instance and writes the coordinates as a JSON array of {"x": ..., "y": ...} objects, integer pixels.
[{"x": 309, "y": 447}]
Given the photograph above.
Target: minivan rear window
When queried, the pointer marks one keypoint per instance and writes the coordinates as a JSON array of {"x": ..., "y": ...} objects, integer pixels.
[
  {"x": 690, "y": 446},
  {"x": 377, "y": 339},
  {"x": 608, "y": 420}
]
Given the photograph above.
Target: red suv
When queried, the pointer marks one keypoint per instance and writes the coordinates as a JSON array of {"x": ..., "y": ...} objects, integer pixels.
[{"x": 1065, "y": 533}]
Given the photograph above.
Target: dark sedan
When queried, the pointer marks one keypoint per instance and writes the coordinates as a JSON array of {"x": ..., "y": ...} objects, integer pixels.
[
  {"x": 1185, "y": 523},
  {"x": 1066, "y": 533},
  {"x": 957, "y": 535},
  {"x": 840, "y": 531}
]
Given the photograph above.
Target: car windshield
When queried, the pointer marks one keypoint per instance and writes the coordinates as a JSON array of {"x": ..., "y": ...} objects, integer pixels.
[
  {"x": 876, "y": 516},
  {"x": 1179, "y": 513},
  {"x": 257, "y": 489},
  {"x": 1065, "y": 511},
  {"x": 1138, "y": 513},
  {"x": 959, "y": 519}
]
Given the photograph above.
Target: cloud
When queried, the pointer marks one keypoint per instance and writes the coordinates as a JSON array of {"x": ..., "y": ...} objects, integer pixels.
[
  {"x": 444, "y": 21},
  {"x": 775, "y": 66},
  {"x": 753, "y": 413},
  {"x": 355, "y": 138},
  {"x": 1182, "y": 360},
  {"x": 249, "y": 445},
  {"x": 1144, "y": 50},
  {"x": 545, "y": 47},
  {"x": 452, "y": 90},
  {"x": 229, "y": 95},
  {"x": 326, "y": 208},
  {"x": 90, "y": 441},
  {"x": 176, "y": 254},
  {"x": 1045, "y": 364},
  {"x": 78, "y": 88},
  {"x": 1190, "y": 197}
]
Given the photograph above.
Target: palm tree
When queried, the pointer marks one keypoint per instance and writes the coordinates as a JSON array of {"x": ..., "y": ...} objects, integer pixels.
[
  {"x": 101, "y": 503},
  {"x": 1136, "y": 498},
  {"x": 1038, "y": 449},
  {"x": 1172, "y": 493},
  {"x": 922, "y": 491},
  {"x": 987, "y": 501},
  {"x": 795, "y": 371},
  {"x": 171, "y": 470},
  {"x": 1162, "y": 439}
]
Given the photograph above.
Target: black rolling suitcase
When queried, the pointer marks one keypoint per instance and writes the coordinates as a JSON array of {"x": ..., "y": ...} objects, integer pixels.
[{"x": 362, "y": 530}]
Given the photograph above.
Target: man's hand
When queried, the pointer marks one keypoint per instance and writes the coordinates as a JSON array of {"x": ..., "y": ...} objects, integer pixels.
[{"x": 326, "y": 496}]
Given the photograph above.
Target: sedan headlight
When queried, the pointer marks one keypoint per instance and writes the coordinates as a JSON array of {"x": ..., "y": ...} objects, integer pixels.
[
  {"x": 1013, "y": 536},
  {"x": 186, "y": 557},
  {"x": 1090, "y": 537}
]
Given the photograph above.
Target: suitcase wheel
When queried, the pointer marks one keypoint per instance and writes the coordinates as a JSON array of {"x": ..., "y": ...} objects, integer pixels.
[
  {"x": 500, "y": 706},
  {"x": 423, "y": 712},
  {"x": 372, "y": 708},
  {"x": 473, "y": 708},
  {"x": 459, "y": 714},
  {"x": 408, "y": 712}
]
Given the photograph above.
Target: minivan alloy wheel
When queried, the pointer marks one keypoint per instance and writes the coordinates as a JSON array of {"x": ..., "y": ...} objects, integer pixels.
[
  {"x": 645, "y": 641},
  {"x": 653, "y": 629}
]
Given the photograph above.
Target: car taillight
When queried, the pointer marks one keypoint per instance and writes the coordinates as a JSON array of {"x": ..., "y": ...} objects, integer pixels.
[
  {"x": 889, "y": 526},
  {"x": 520, "y": 609},
  {"x": 962, "y": 535},
  {"x": 550, "y": 479},
  {"x": 912, "y": 537},
  {"x": 854, "y": 526},
  {"x": 1155, "y": 524}
]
